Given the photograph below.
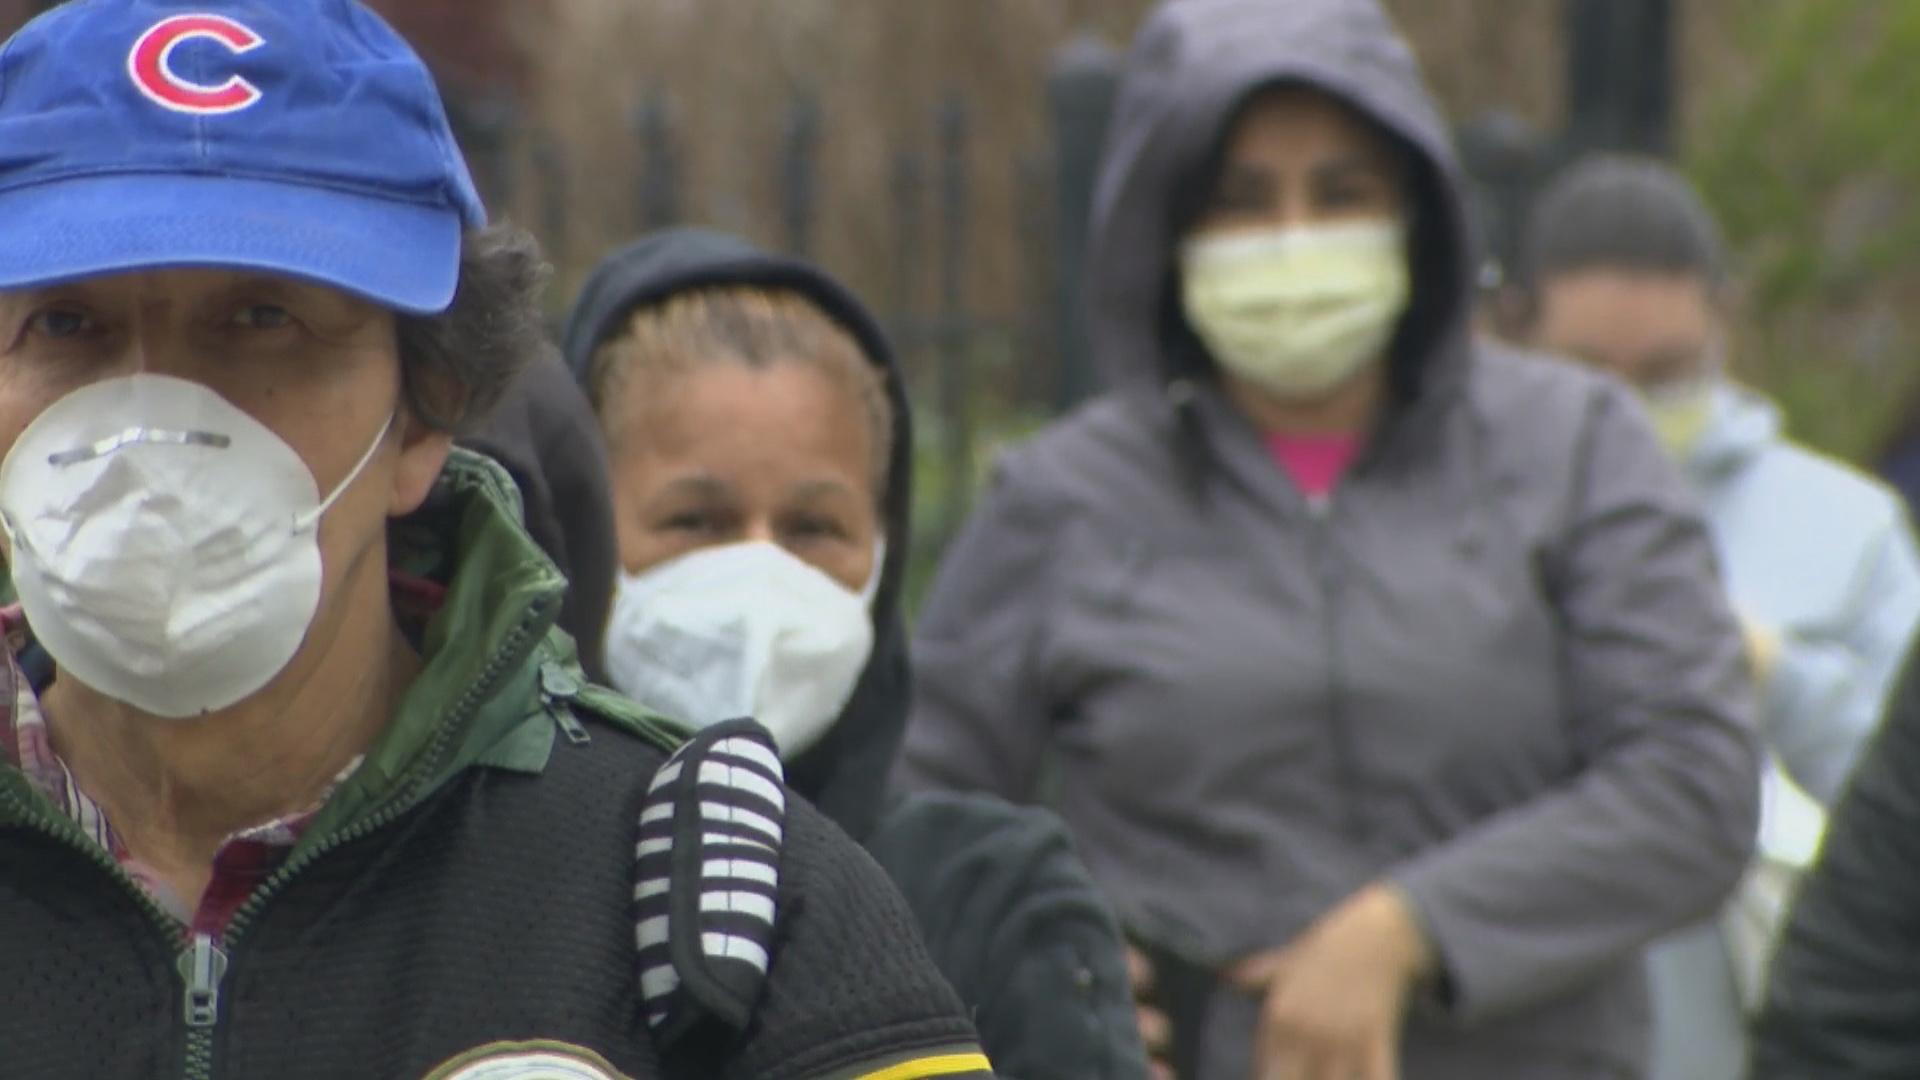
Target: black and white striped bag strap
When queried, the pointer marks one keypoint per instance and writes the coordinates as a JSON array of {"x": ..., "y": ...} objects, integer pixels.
[{"x": 706, "y": 881}]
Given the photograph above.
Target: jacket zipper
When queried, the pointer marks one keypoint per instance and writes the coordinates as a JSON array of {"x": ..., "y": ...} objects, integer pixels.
[
  {"x": 518, "y": 645},
  {"x": 203, "y": 962},
  {"x": 202, "y": 967},
  {"x": 1345, "y": 762},
  {"x": 558, "y": 688}
]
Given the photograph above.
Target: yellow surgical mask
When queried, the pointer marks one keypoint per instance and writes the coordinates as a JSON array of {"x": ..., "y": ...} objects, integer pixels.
[
  {"x": 1681, "y": 413},
  {"x": 1297, "y": 311}
]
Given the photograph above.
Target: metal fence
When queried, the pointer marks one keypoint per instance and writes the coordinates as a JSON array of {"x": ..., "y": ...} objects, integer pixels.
[
  {"x": 963, "y": 362},
  {"x": 967, "y": 367}
]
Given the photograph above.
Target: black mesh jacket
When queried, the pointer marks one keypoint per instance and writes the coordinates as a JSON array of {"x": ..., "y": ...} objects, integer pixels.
[{"x": 1843, "y": 998}]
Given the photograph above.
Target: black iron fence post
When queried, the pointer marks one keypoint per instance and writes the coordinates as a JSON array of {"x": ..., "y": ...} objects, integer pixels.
[
  {"x": 1620, "y": 78},
  {"x": 1081, "y": 85},
  {"x": 908, "y": 187},
  {"x": 1036, "y": 333},
  {"x": 799, "y": 158},
  {"x": 956, "y": 407},
  {"x": 659, "y": 162}
]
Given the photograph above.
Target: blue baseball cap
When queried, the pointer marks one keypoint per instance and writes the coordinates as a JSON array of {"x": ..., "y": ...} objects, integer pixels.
[{"x": 300, "y": 138}]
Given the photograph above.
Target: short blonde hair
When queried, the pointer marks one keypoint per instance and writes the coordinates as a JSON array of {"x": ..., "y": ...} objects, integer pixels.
[{"x": 749, "y": 326}]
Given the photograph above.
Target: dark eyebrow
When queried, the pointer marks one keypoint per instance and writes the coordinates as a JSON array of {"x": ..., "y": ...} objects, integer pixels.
[
  {"x": 273, "y": 289},
  {"x": 702, "y": 485},
  {"x": 40, "y": 294},
  {"x": 809, "y": 490},
  {"x": 1238, "y": 175},
  {"x": 1354, "y": 166}
]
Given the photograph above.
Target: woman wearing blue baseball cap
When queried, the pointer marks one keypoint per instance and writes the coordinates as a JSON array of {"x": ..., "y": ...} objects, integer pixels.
[{"x": 296, "y": 776}]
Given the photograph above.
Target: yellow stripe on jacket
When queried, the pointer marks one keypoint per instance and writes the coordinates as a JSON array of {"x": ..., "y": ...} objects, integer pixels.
[{"x": 929, "y": 1067}]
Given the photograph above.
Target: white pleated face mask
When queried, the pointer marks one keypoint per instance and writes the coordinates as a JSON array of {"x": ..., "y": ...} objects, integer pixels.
[
  {"x": 742, "y": 630},
  {"x": 165, "y": 543}
]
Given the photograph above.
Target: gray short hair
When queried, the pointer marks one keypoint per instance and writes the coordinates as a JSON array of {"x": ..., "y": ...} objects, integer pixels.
[{"x": 457, "y": 365}]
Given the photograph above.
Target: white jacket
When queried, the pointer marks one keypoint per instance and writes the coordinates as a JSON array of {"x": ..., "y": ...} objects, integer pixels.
[{"x": 1822, "y": 556}]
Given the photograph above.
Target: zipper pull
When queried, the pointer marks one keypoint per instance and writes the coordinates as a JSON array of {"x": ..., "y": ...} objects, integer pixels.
[
  {"x": 558, "y": 687},
  {"x": 202, "y": 966}
]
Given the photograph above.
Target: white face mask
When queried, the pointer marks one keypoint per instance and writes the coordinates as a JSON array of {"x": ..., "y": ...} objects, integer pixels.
[
  {"x": 1297, "y": 311},
  {"x": 742, "y": 630},
  {"x": 165, "y": 546}
]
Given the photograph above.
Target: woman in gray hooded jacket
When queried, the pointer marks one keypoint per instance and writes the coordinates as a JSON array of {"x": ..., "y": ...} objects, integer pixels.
[{"x": 1383, "y": 675}]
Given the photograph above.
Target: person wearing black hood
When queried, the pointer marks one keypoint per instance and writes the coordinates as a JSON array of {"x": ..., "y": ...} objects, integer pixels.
[
  {"x": 761, "y": 450},
  {"x": 543, "y": 434}
]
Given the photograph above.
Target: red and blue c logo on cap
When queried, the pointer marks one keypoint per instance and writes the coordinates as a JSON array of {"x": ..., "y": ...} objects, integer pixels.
[{"x": 150, "y": 65}]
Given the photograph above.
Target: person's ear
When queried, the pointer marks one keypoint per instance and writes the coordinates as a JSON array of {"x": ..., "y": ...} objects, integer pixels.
[{"x": 423, "y": 453}]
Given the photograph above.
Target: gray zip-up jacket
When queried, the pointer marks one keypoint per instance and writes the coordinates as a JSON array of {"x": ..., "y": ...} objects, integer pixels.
[{"x": 1498, "y": 669}]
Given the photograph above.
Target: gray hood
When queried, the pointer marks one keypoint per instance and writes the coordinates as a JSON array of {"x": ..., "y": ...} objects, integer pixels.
[{"x": 1192, "y": 66}]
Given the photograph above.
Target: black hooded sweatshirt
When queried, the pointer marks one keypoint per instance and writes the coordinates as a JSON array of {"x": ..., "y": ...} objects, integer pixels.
[
  {"x": 544, "y": 434},
  {"x": 1011, "y": 916}
]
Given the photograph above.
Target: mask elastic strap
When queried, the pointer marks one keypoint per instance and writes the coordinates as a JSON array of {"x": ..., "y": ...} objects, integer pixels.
[
  {"x": 303, "y": 522},
  {"x": 871, "y": 590}
]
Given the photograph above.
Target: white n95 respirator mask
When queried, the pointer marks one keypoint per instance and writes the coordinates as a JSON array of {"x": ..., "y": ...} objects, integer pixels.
[
  {"x": 744, "y": 630},
  {"x": 164, "y": 543}
]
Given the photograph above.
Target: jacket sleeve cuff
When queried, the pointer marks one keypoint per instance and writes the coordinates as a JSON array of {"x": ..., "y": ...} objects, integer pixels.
[
  {"x": 1436, "y": 991},
  {"x": 1807, "y": 681},
  {"x": 1443, "y": 989},
  {"x": 1465, "y": 984}
]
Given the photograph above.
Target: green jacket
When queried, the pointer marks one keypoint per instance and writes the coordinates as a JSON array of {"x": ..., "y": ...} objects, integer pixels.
[{"x": 499, "y": 675}]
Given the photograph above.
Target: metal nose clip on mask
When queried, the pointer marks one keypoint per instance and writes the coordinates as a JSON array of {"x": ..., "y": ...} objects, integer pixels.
[{"x": 164, "y": 543}]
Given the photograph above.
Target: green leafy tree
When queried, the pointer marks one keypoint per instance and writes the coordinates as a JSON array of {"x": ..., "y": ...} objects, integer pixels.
[{"x": 1811, "y": 160}]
